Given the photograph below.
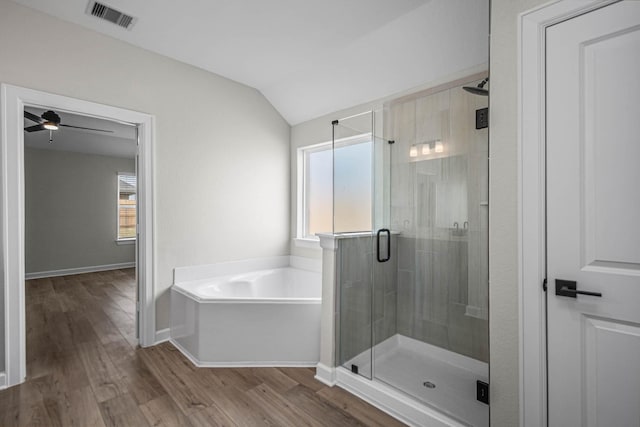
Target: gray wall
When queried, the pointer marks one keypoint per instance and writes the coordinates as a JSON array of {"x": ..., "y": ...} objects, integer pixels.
[
  {"x": 221, "y": 189},
  {"x": 70, "y": 210},
  {"x": 355, "y": 259}
]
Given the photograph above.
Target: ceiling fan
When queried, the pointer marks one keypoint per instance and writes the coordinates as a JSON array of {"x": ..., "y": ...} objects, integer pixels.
[{"x": 51, "y": 121}]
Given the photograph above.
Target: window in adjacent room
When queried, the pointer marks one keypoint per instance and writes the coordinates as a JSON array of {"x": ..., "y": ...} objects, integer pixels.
[
  {"x": 352, "y": 160},
  {"x": 126, "y": 206}
]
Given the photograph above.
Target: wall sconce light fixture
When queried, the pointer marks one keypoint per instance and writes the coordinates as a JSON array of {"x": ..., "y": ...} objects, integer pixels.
[
  {"x": 439, "y": 148},
  {"x": 426, "y": 148}
]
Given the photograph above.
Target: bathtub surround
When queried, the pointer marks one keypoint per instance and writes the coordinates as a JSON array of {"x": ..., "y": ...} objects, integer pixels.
[
  {"x": 259, "y": 312},
  {"x": 70, "y": 213}
]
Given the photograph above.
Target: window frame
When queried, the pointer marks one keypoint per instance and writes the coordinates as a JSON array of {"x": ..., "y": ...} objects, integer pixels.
[
  {"x": 124, "y": 240},
  {"x": 302, "y": 238}
]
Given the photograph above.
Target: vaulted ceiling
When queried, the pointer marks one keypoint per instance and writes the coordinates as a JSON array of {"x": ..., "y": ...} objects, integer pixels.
[{"x": 307, "y": 57}]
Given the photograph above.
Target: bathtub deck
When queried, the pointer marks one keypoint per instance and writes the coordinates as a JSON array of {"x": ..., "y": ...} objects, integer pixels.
[{"x": 83, "y": 368}]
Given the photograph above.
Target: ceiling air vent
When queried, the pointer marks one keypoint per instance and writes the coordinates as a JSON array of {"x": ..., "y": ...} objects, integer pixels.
[{"x": 107, "y": 13}]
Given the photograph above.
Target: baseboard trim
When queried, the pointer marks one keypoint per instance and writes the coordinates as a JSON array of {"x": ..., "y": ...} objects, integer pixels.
[
  {"x": 3, "y": 380},
  {"x": 325, "y": 374},
  {"x": 257, "y": 364},
  {"x": 162, "y": 335},
  {"x": 78, "y": 270}
]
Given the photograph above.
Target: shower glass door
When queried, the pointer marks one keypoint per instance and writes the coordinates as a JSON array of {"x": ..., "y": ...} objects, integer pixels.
[
  {"x": 434, "y": 346},
  {"x": 410, "y": 214},
  {"x": 359, "y": 162}
]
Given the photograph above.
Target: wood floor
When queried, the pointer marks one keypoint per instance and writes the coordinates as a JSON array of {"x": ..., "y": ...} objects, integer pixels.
[{"x": 84, "y": 369}]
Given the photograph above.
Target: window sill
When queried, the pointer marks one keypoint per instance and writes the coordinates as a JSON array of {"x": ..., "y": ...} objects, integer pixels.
[
  {"x": 125, "y": 241},
  {"x": 310, "y": 243}
]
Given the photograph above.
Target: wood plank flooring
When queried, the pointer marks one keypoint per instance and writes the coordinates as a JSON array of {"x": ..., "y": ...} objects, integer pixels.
[{"x": 84, "y": 369}]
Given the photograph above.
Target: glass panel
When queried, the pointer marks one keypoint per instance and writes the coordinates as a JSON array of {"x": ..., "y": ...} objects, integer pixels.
[
  {"x": 361, "y": 188},
  {"x": 319, "y": 191},
  {"x": 352, "y": 219},
  {"x": 354, "y": 281},
  {"x": 352, "y": 188},
  {"x": 430, "y": 307}
]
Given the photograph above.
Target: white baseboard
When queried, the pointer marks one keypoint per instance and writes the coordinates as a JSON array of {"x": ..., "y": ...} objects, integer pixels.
[
  {"x": 3, "y": 380},
  {"x": 162, "y": 335},
  {"x": 78, "y": 270},
  {"x": 244, "y": 364},
  {"x": 325, "y": 374}
]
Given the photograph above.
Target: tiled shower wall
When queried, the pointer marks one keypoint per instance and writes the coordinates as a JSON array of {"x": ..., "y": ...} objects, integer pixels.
[
  {"x": 435, "y": 287},
  {"x": 439, "y": 204},
  {"x": 362, "y": 290}
]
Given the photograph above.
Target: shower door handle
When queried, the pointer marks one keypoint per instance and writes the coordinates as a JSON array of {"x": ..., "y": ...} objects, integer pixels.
[{"x": 388, "y": 233}]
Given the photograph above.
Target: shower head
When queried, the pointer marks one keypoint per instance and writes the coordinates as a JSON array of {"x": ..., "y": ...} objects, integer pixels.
[{"x": 478, "y": 90}]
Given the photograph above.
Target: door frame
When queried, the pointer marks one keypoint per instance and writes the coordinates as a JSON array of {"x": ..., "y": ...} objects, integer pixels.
[
  {"x": 12, "y": 102},
  {"x": 532, "y": 200}
]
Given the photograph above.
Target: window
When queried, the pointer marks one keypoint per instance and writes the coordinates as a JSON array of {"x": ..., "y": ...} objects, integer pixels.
[
  {"x": 126, "y": 206},
  {"x": 351, "y": 191}
]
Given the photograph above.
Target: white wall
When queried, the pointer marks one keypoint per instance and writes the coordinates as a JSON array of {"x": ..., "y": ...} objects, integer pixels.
[
  {"x": 503, "y": 222},
  {"x": 221, "y": 154},
  {"x": 70, "y": 210}
]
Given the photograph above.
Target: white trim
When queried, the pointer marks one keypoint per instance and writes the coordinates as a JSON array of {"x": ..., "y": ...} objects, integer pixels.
[
  {"x": 128, "y": 241},
  {"x": 307, "y": 242},
  {"x": 12, "y": 102},
  {"x": 309, "y": 264},
  {"x": 78, "y": 270},
  {"x": 325, "y": 374},
  {"x": 3, "y": 380},
  {"x": 393, "y": 402},
  {"x": 163, "y": 335},
  {"x": 242, "y": 364},
  {"x": 531, "y": 200}
]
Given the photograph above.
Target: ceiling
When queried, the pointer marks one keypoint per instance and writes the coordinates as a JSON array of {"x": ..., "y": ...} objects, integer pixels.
[
  {"x": 307, "y": 57},
  {"x": 121, "y": 142}
]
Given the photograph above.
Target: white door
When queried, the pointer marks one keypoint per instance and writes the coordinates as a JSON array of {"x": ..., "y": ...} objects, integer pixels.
[{"x": 593, "y": 217}]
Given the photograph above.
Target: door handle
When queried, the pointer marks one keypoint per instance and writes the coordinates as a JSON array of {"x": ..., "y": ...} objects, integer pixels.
[
  {"x": 388, "y": 233},
  {"x": 568, "y": 288}
]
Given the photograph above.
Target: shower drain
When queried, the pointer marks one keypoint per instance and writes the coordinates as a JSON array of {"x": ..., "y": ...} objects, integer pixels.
[{"x": 429, "y": 384}]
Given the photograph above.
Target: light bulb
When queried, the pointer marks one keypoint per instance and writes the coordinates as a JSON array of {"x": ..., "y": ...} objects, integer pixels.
[
  {"x": 50, "y": 126},
  {"x": 413, "y": 151},
  {"x": 439, "y": 147},
  {"x": 426, "y": 149}
]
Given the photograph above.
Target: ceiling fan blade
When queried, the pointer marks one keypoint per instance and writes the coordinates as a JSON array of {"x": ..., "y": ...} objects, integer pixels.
[
  {"x": 32, "y": 117},
  {"x": 80, "y": 127},
  {"x": 34, "y": 128}
]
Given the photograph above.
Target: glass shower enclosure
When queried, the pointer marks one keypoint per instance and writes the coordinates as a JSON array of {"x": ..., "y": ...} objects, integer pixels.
[{"x": 412, "y": 253}]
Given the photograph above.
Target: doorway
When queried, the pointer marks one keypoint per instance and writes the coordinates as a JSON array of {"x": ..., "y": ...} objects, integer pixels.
[{"x": 14, "y": 100}]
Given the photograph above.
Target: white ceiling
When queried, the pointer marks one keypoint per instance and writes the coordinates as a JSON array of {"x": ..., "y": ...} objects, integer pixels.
[
  {"x": 119, "y": 143},
  {"x": 307, "y": 57}
]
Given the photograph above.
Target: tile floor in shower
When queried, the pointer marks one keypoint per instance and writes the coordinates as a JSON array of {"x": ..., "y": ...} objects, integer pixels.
[{"x": 407, "y": 364}]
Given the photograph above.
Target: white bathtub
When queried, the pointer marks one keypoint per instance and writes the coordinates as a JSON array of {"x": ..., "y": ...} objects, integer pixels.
[{"x": 247, "y": 315}]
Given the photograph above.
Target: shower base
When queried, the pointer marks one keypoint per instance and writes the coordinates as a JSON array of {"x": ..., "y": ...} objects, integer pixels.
[{"x": 441, "y": 379}]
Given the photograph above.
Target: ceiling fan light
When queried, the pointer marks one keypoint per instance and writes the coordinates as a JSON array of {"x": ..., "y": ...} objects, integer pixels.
[{"x": 50, "y": 126}]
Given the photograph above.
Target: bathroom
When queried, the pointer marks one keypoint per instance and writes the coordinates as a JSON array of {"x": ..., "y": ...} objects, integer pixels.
[
  {"x": 403, "y": 226},
  {"x": 222, "y": 154}
]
